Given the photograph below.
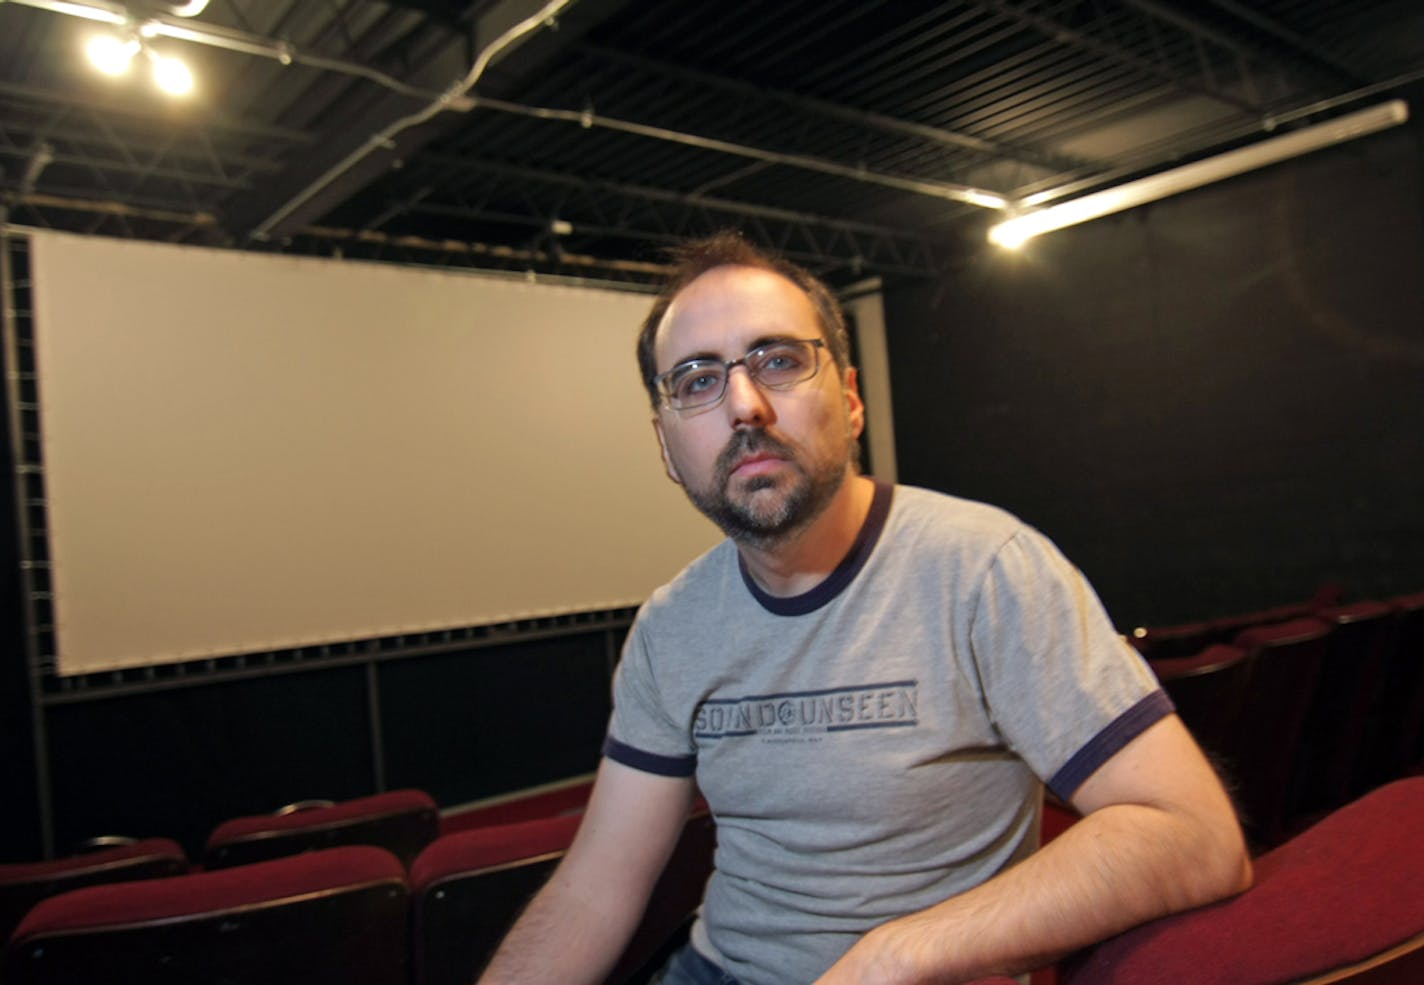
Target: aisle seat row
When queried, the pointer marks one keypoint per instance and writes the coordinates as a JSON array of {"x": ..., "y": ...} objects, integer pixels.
[
  {"x": 1339, "y": 902},
  {"x": 351, "y": 913},
  {"x": 1304, "y": 714}
]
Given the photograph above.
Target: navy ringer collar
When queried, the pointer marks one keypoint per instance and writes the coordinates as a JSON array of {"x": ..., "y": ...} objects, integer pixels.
[{"x": 837, "y": 581}]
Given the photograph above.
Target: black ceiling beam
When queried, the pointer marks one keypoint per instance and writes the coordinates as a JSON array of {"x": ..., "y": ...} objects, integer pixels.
[
  {"x": 884, "y": 123},
  {"x": 1300, "y": 45},
  {"x": 1066, "y": 34},
  {"x": 282, "y": 208}
]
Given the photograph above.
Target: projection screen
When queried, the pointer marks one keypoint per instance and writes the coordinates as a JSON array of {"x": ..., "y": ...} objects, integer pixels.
[{"x": 246, "y": 453}]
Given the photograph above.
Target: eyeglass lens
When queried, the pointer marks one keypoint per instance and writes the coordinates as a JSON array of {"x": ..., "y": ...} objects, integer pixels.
[{"x": 776, "y": 366}]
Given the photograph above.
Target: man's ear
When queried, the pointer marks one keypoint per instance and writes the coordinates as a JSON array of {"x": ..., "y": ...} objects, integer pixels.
[
  {"x": 667, "y": 458},
  {"x": 855, "y": 407}
]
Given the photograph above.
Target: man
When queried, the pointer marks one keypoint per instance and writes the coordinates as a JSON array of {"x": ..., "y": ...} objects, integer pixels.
[{"x": 870, "y": 684}]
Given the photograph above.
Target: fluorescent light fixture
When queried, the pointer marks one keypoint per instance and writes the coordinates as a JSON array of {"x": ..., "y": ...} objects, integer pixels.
[{"x": 1013, "y": 232}]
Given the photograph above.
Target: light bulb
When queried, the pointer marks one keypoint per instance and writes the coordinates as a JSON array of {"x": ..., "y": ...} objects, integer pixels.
[
  {"x": 172, "y": 76},
  {"x": 111, "y": 55}
]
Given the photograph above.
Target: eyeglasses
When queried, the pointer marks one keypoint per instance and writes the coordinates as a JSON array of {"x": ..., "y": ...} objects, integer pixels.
[{"x": 777, "y": 365}]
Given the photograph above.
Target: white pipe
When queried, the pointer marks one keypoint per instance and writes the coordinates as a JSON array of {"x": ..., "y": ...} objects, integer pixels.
[{"x": 452, "y": 98}]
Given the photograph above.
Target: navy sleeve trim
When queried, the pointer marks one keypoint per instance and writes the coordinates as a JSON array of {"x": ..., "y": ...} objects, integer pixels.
[
  {"x": 1106, "y": 744},
  {"x": 648, "y": 762}
]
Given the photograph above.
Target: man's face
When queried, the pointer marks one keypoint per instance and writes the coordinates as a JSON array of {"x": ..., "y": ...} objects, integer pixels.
[{"x": 761, "y": 464}]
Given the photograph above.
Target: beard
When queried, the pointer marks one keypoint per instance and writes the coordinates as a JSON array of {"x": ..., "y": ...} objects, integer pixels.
[{"x": 757, "y": 514}]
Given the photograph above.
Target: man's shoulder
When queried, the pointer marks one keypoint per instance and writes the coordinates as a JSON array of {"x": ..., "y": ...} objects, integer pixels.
[
  {"x": 706, "y": 574},
  {"x": 926, "y": 513}
]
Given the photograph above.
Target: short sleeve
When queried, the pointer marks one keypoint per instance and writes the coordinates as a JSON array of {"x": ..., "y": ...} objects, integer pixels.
[
  {"x": 642, "y": 733},
  {"x": 1062, "y": 687}
]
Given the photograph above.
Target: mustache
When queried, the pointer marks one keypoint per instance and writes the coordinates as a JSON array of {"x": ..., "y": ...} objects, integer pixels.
[{"x": 748, "y": 442}]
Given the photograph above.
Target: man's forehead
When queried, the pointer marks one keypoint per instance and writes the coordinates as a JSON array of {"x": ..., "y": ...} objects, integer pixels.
[{"x": 737, "y": 300}]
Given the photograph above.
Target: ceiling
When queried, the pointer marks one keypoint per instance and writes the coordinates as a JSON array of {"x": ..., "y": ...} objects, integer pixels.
[{"x": 861, "y": 137}]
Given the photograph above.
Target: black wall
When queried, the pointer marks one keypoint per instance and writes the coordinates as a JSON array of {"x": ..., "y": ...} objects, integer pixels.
[
  {"x": 1212, "y": 403},
  {"x": 178, "y": 760}
]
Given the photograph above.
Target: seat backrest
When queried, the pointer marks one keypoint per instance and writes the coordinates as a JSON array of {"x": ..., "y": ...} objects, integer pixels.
[
  {"x": 1172, "y": 642},
  {"x": 468, "y": 887},
  {"x": 1285, "y": 668},
  {"x": 1209, "y": 690},
  {"x": 1394, "y": 744},
  {"x": 24, "y": 884},
  {"x": 566, "y": 798},
  {"x": 1339, "y": 902},
  {"x": 332, "y": 916},
  {"x": 400, "y": 821},
  {"x": 1351, "y": 673}
]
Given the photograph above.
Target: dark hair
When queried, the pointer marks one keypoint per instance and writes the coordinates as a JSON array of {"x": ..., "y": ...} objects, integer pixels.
[{"x": 728, "y": 249}]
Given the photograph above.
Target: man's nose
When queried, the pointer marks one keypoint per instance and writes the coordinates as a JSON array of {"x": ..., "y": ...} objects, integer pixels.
[{"x": 746, "y": 403}]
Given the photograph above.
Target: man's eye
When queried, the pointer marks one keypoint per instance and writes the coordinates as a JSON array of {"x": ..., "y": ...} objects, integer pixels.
[
  {"x": 697, "y": 382},
  {"x": 780, "y": 361}
]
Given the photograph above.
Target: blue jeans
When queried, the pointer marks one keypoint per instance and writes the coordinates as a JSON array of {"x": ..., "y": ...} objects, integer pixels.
[{"x": 688, "y": 967}]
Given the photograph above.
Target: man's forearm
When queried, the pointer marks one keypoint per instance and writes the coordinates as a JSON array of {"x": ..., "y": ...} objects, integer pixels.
[
  {"x": 561, "y": 940},
  {"x": 1159, "y": 835},
  {"x": 1120, "y": 867}
]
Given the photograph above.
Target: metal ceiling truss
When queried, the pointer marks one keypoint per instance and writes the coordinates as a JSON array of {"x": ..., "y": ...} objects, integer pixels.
[
  {"x": 939, "y": 97},
  {"x": 811, "y": 110},
  {"x": 557, "y": 205},
  {"x": 132, "y": 156},
  {"x": 1172, "y": 43}
]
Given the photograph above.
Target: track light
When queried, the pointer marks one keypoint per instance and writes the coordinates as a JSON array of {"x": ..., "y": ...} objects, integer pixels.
[
  {"x": 1014, "y": 232},
  {"x": 111, "y": 55},
  {"x": 172, "y": 76},
  {"x": 114, "y": 55}
]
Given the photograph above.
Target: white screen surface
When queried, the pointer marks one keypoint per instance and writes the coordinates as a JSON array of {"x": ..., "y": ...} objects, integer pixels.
[{"x": 247, "y": 452}]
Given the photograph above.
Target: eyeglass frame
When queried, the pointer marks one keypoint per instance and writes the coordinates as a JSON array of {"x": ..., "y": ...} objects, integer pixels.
[{"x": 661, "y": 380}]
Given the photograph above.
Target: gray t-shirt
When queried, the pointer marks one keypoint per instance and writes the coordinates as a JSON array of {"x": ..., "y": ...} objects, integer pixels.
[{"x": 878, "y": 744}]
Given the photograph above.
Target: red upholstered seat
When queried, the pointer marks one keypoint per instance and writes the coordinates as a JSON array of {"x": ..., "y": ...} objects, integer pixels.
[
  {"x": 1170, "y": 642},
  {"x": 568, "y": 798},
  {"x": 337, "y": 915},
  {"x": 24, "y": 884},
  {"x": 1342, "y": 899},
  {"x": 467, "y": 888},
  {"x": 401, "y": 821}
]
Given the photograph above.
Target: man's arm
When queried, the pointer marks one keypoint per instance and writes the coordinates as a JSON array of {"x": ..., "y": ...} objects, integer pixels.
[
  {"x": 1158, "y": 835},
  {"x": 575, "y": 929}
]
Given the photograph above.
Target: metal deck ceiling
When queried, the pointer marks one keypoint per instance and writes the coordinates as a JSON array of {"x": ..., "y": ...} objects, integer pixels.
[{"x": 851, "y": 134}]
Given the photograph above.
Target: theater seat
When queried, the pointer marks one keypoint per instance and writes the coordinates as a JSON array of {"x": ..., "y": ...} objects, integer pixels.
[
  {"x": 333, "y": 916},
  {"x": 1351, "y": 675},
  {"x": 24, "y": 884},
  {"x": 565, "y": 798},
  {"x": 1209, "y": 690},
  {"x": 1340, "y": 902},
  {"x": 401, "y": 821},
  {"x": 1286, "y": 660},
  {"x": 468, "y": 887}
]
